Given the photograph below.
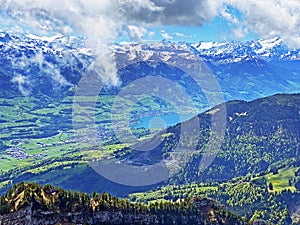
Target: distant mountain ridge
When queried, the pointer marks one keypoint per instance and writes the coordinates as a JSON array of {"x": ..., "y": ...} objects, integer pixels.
[
  {"x": 224, "y": 52},
  {"x": 268, "y": 49},
  {"x": 32, "y": 65}
]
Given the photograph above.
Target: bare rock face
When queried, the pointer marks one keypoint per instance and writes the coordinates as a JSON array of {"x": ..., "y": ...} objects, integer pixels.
[
  {"x": 27, "y": 216},
  {"x": 259, "y": 222},
  {"x": 20, "y": 217}
]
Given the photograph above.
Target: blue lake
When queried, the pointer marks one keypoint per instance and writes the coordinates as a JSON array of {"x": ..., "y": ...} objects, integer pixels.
[{"x": 161, "y": 121}]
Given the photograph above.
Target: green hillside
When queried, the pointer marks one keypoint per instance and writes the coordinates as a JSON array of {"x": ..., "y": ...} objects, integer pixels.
[
  {"x": 255, "y": 172},
  {"x": 260, "y": 135},
  {"x": 249, "y": 196},
  {"x": 59, "y": 206}
]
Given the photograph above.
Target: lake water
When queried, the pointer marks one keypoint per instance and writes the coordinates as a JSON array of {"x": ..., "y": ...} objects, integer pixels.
[{"x": 162, "y": 121}]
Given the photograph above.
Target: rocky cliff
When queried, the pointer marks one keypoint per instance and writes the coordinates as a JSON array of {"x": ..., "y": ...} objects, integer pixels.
[{"x": 31, "y": 204}]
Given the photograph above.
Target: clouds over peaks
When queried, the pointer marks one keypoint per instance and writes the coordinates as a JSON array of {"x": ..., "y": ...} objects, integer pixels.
[{"x": 102, "y": 21}]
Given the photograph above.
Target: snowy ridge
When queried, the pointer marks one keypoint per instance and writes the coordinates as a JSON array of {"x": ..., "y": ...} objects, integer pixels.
[
  {"x": 61, "y": 49},
  {"x": 29, "y": 61},
  {"x": 214, "y": 52},
  {"x": 230, "y": 52}
]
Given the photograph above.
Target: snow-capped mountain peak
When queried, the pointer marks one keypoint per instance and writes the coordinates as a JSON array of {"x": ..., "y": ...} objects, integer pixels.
[
  {"x": 50, "y": 65},
  {"x": 226, "y": 52}
]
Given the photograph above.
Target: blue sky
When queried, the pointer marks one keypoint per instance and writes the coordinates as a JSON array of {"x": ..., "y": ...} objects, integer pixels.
[
  {"x": 216, "y": 30},
  {"x": 219, "y": 28}
]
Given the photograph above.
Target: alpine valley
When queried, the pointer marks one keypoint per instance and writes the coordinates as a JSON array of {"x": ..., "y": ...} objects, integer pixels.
[{"x": 255, "y": 175}]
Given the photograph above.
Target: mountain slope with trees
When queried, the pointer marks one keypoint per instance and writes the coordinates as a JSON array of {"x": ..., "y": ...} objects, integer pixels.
[
  {"x": 260, "y": 136},
  {"x": 29, "y": 203}
]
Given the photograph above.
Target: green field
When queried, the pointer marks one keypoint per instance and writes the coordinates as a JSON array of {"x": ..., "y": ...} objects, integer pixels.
[
  {"x": 36, "y": 134},
  {"x": 284, "y": 180}
]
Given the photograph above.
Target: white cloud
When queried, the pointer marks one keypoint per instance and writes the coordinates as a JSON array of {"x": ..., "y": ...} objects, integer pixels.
[
  {"x": 180, "y": 34},
  {"x": 229, "y": 16},
  {"x": 165, "y": 35},
  {"x": 136, "y": 33},
  {"x": 23, "y": 84},
  {"x": 239, "y": 32},
  {"x": 151, "y": 34},
  {"x": 271, "y": 18},
  {"x": 56, "y": 76}
]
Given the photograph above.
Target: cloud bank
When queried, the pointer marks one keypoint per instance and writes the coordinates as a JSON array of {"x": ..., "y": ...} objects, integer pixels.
[
  {"x": 136, "y": 33},
  {"x": 168, "y": 12},
  {"x": 271, "y": 18},
  {"x": 102, "y": 21}
]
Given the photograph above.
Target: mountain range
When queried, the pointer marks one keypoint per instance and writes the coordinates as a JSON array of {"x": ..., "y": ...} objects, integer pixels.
[{"x": 50, "y": 65}]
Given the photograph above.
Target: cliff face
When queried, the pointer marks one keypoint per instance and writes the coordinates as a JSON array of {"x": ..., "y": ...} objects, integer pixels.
[
  {"x": 22, "y": 216},
  {"x": 27, "y": 216}
]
